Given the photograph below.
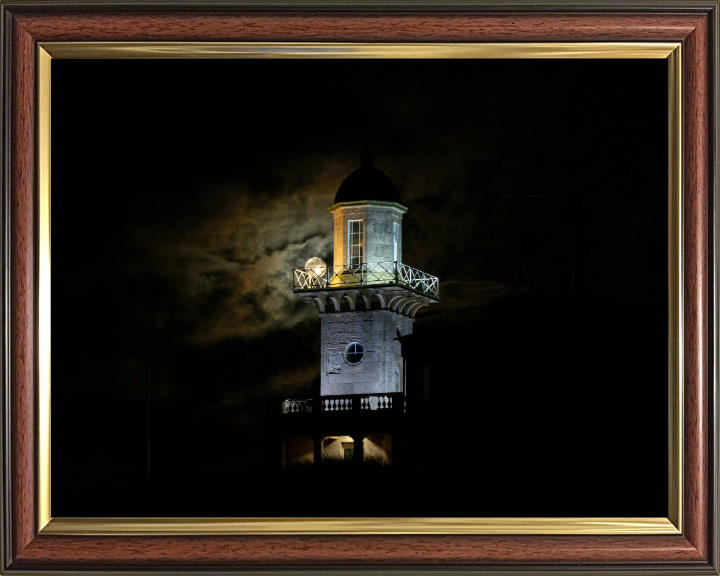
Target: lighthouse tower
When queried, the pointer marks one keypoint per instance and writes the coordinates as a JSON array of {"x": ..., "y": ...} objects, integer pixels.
[{"x": 368, "y": 298}]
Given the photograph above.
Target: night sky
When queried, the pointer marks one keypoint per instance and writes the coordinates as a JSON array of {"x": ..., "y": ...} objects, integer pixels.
[{"x": 185, "y": 192}]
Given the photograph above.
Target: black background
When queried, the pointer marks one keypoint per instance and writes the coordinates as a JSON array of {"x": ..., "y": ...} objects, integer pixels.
[{"x": 537, "y": 193}]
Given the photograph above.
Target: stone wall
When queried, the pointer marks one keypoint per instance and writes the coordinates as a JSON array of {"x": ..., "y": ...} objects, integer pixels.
[
  {"x": 378, "y": 446},
  {"x": 298, "y": 450},
  {"x": 376, "y": 330},
  {"x": 377, "y": 231}
]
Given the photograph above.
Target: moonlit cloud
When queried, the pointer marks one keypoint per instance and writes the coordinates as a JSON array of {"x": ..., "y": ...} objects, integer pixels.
[{"x": 230, "y": 264}]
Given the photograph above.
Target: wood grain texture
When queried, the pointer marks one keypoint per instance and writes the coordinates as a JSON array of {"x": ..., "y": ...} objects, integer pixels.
[
  {"x": 361, "y": 550},
  {"x": 22, "y": 292},
  {"x": 696, "y": 191},
  {"x": 689, "y": 550},
  {"x": 357, "y": 27}
]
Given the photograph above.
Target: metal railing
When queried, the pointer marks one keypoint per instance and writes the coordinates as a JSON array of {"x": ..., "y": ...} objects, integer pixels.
[{"x": 380, "y": 273}]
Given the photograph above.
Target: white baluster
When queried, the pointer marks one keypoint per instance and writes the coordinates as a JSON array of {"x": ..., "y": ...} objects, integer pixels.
[{"x": 374, "y": 401}]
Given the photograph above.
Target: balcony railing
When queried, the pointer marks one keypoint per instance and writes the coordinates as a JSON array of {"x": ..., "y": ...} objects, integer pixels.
[
  {"x": 347, "y": 403},
  {"x": 376, "y": 274}
]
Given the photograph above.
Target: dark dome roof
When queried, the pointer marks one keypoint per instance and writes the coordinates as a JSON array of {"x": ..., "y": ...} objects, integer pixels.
[{"x": 367, "y": 183}]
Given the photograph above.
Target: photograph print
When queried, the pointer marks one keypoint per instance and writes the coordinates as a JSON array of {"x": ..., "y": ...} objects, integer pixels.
[{"x": 360, "y": 288}]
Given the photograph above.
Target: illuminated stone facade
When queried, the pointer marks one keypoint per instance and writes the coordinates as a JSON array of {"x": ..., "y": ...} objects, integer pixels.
[
  {"x": 349, "y": 316},
  {"x": 381, "y": 368},
  {"x": 381, "y": 243}
]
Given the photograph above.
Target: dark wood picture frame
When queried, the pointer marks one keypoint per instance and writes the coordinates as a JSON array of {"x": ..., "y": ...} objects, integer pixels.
[{"x": 693, "y": 24}]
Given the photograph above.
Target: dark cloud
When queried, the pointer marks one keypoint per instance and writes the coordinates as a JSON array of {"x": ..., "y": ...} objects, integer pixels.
[{"x": 232, "y": 265}]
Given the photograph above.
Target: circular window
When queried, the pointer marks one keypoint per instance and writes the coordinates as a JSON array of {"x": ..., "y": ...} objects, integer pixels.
[{"x": 354, "y": 353}]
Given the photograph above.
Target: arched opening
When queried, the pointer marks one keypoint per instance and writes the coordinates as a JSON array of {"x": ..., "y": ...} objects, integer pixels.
[
  {"x": 375, "y": 303},
  {"x": 337, "y": 449},
  {"x": 378, "y": 449}
]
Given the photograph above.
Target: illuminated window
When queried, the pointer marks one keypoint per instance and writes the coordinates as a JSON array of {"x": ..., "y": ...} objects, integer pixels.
[
  {"x": 355, "y": 243},
  {"x": 354, "y": 353}
]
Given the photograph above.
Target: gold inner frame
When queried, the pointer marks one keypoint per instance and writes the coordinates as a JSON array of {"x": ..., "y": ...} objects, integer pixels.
[{"x": 208, "y": 526}]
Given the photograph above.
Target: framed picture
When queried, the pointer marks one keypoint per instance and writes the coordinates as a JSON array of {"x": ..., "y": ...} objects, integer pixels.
[{"x": 358, "y": 289}]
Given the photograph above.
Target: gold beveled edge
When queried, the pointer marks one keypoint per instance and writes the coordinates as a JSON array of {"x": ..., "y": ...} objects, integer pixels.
[
  {"x": 43, "y": 402},
  {"x": 357, "y": 50},
  {"x": 588, "y": 526},
  {"x": 407, "y": 526},
  {"x": 675, "y": 290}
]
